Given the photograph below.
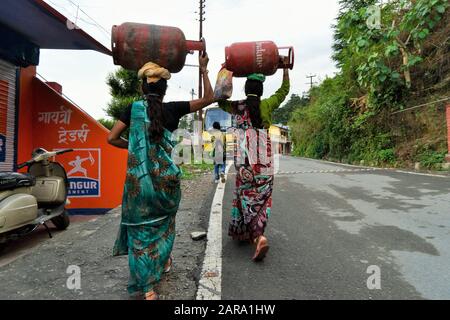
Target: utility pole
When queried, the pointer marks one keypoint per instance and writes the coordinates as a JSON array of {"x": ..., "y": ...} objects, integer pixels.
[
  {"x": 194, "y": 116},
  {"x": 193, "y": 94},
  {"x": 200, "y": 81},
  {"x": 311, "y": 77}
]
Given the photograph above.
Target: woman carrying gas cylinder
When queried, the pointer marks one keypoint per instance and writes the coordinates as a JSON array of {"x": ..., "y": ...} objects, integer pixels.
[
  {"x": 152, "y": 191},
  {"x": 252, "y": 203}
]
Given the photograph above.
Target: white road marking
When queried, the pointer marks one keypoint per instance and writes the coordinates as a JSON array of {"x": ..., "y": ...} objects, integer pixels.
[
  {"x": 420, "y": 174},
  {"x": 210, "y": 284},
  {"x": 362, "y": 168},
  {"x": 333, "y": 163}
]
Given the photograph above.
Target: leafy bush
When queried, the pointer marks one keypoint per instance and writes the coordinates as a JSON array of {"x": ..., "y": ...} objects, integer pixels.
[
  {"x": 349, "y": 116},
  {"x": 387, "y": 156},
  {"x": 431, "y": 159}
]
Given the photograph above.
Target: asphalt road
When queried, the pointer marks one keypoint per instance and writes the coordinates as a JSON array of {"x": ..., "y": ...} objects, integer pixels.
[{"x": 329, "y": 227}]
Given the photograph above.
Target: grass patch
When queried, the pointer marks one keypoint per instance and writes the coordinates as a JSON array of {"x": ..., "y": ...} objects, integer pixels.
[{"x": 190, "y": 171}]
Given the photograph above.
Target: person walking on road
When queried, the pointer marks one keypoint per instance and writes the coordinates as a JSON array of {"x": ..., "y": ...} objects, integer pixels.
[
  {"x": 152, "y": 191},
  {"x": 252, "y": 203},
  {"x": 218, "y": 153}
]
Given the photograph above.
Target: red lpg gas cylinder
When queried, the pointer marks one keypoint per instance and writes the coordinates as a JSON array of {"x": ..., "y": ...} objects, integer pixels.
[
  {"x": 135, "y": 44},
  {"x": 245, "y": 58}
]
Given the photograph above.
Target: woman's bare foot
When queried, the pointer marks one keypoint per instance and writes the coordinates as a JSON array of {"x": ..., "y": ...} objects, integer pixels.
[
  {"x": 168, "y": 265},
  {"x": 262, "y": 248},
  {"x": 151, "y": 296}
]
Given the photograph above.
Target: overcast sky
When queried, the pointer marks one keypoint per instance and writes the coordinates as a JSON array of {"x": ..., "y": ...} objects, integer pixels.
[{"x": 306, "y": 25}]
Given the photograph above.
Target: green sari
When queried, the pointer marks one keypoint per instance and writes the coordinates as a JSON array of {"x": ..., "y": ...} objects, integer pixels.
[{"x": 151, "y": 200}]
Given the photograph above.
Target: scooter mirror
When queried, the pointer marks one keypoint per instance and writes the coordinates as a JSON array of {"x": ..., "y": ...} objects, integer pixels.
[
  {"x": 38, "y": 151},
  {"x": 44, "y": 156}
]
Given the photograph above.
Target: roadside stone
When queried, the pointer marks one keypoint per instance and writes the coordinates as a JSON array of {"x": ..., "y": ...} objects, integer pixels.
[
  {"x": 199, "y": 235},
  {"x": 417, "y": 166}
]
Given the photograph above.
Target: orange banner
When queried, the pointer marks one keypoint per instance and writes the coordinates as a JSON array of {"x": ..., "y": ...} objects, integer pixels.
[{"x": 96, "y": 170}]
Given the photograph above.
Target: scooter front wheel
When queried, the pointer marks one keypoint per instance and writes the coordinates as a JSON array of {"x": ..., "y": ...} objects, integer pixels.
[
  {"x": 62, "y": 221},
  {"x": 2, "y": 247}
]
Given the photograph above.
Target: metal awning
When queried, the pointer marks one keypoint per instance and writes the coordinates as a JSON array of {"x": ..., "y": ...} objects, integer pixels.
[{"x": 46, "y": 27}]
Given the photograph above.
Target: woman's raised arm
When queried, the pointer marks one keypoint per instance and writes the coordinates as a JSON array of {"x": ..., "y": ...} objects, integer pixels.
[
  {"x": 114, "y": 137},
  {"x": 278, "y": 98},
  {"x": 208, "y": 97}
]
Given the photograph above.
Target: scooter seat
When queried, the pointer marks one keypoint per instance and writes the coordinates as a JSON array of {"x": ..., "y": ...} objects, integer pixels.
[{"x": 15, "y": 180}]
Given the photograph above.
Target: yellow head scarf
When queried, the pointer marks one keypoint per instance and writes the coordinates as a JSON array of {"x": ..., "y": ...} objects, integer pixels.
[{"x": 153, "y": 73}]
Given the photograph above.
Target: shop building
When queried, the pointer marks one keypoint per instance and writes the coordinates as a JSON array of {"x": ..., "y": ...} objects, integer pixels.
[{"x": 36, "y": 114}]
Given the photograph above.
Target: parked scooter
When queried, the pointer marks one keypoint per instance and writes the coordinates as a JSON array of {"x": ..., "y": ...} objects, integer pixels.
[{"x": 28, "y": 201}]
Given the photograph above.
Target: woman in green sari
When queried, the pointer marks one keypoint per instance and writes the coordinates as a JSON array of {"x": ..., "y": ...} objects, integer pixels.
[{"x": 152, "y": 190}]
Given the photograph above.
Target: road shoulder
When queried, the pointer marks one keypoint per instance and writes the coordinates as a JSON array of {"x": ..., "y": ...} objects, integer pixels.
[{"x": 41, "y": 274}]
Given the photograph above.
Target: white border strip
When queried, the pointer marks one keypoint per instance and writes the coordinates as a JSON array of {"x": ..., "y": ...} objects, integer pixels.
[
  {"x": 374, "y": 168},
  {"x": 210, "y": 284},
  {"x": 421, "y": 174}
]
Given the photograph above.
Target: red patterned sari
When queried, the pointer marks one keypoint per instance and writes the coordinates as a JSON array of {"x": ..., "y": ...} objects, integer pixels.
[{"x": 252, "y": 203}]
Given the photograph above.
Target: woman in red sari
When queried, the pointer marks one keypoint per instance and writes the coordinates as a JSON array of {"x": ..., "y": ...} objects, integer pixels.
[{"x": 252, "y": 203}]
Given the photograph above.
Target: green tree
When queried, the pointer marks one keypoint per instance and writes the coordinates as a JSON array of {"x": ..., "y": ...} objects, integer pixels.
[
  {"x": 340, "y": 34},
  {"x": 283, "y": 115},
  {"x": 107, "y": 123},
  {"x": 125, "y": 88},
  {"x": 381, "y": 58},
  {"x": 408, "y": 32}
]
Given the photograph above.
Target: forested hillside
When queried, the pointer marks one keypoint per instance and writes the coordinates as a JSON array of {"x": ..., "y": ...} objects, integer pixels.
[{"x": 363, "y": 113}]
